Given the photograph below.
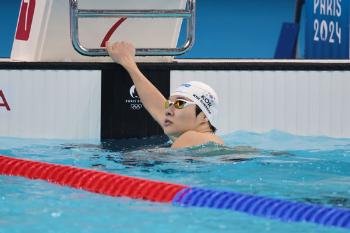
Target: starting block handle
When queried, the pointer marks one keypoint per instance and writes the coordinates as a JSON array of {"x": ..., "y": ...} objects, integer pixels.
[{"x": 188, "y": 14}]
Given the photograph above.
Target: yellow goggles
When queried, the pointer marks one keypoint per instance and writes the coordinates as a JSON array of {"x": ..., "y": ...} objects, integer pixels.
[{"x": 178, "y": 104}]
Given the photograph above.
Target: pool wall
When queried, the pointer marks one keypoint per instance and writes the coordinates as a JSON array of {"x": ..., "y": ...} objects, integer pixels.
[
  {"x": 98, "y": 100},
  {"x": 50, "y": 103},
  {"x": 302, "y": 102}
]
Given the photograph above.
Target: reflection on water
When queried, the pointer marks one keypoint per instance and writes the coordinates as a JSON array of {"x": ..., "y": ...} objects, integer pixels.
[
  {"x": 207, "y": 153},
  {"x": 153, "y": 154}
]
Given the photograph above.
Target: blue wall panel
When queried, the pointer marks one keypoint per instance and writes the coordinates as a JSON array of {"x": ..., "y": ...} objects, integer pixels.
[
  {"x": 8, "y": 19},
  {"x": 239, "y": 29}
]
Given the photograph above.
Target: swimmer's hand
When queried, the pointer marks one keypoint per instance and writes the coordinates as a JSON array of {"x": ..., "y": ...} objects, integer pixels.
[
  {"x": 151, "y": 98},
  {"x": 122, "y": 53}
]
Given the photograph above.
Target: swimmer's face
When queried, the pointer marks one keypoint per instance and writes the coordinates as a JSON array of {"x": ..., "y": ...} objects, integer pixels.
[{"x": 177, "y": 121}]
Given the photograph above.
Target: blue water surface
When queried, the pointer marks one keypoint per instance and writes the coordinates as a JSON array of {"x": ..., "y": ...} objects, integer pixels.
[{"x": 275, "y": 164}]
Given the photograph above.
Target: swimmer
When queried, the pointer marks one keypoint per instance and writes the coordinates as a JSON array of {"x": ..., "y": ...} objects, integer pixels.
[{"x": 187, "y": 117}]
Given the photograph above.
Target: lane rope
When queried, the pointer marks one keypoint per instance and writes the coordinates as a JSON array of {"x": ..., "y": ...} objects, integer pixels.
[
  {"x": 264, "y": 207},
  {"x": 91, "y": 180},
  {"x": 179, "y": 195}
]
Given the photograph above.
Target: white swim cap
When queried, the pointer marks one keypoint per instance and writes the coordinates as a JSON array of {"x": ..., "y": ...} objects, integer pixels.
[{"x": 203, "y": 95}]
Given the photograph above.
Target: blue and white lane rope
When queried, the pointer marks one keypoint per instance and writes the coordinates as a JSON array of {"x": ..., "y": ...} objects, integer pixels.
[
  {"x": 180, "y": 195},
  {"x": 264, "y": 207}
]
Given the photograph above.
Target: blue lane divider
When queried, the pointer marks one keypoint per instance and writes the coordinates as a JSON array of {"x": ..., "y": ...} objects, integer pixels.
[{"x": 263, "y": 206}]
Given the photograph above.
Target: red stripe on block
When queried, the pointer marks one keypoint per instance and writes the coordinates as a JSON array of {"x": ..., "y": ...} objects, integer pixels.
[
  {"x": 111, "y": 31},
  {"x": 91, "y": 180}
]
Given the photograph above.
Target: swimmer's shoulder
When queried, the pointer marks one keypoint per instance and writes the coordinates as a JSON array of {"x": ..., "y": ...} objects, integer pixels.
[{"x": 193, "y": 138}]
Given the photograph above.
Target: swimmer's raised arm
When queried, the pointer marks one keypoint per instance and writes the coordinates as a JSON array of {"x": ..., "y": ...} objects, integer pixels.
[{"x": 151, "y": 98}]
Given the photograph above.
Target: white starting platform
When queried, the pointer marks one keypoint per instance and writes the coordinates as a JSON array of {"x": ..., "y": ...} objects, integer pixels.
[{"x": 76, "y": 31}]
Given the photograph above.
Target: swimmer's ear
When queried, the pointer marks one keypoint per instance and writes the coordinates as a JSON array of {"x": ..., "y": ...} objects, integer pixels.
[{"x": 204, "y": 117}]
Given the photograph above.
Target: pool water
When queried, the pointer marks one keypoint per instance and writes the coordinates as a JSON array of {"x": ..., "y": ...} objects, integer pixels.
[{"x": 275, "y": 164}]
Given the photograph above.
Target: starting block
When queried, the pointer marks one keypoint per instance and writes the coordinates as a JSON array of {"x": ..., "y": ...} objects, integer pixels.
[{"x": 76, "y": 31}]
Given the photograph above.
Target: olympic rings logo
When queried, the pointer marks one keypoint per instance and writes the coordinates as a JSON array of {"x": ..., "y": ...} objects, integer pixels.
[{"x": 135, "y": 106}]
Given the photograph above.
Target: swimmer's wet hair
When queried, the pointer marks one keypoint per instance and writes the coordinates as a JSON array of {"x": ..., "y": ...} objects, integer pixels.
[{"x": 198, "y": 110}]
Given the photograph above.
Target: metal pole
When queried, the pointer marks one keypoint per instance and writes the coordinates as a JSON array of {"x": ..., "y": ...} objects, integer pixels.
[{"x": 188, "y": 14}]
